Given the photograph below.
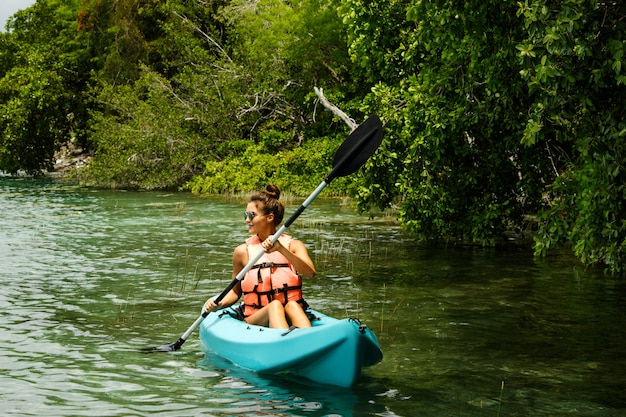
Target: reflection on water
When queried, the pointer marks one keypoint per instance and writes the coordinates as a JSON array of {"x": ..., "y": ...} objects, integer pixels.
[
  {"x": 239, "y": 392},
  {"x": 89, "y": 277}
]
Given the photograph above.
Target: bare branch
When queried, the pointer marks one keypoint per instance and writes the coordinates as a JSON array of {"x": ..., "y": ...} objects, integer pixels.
[{"x": 334, "y": 109}]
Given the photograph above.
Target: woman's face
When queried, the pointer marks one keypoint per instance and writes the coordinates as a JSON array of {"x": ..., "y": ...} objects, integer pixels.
[{"x": 257, "y": 221}]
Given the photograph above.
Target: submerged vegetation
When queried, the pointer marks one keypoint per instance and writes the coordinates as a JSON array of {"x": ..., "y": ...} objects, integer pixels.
[{"x": 495, "y": 111}]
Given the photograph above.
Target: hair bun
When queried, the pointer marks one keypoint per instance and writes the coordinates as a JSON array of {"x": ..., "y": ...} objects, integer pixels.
[{"x": 273, "y": 191}]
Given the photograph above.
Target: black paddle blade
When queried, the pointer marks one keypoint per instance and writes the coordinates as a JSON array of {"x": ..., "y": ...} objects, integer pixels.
[
  {"x": 170, "y": 347},
  {"x": 357, "y": 148}
]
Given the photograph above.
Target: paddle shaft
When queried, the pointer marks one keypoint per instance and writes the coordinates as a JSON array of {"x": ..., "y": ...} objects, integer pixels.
[{"x": 258, "y": 256}]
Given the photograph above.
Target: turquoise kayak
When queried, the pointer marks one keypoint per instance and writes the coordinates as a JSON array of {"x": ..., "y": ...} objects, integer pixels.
[{"x": 331, "y": 352}]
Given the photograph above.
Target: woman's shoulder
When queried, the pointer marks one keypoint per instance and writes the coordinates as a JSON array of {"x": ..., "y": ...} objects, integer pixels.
[
  {"x": 241, "y": 249},
  {"x": 286, "y": 238},
  {"x": 252, "y": 240}
]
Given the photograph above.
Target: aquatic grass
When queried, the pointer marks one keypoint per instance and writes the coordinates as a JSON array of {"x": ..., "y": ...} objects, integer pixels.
[
  {"x": 500, "y": 399},
  {"x": 329, "y": 250},
  {"x": 483, "y": 403},
  {"x": 382, "y": 308},
  {"x": 341, "y": 252},
  {"x": 390, "y": 316},
  {"x": 198, "y": 269},
  {"x": 122, "y": 316},
  {"x": 197, "y": 276}
]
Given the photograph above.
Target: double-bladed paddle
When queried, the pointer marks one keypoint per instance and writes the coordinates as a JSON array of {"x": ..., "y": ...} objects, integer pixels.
[{"x": 352, "y": 153}]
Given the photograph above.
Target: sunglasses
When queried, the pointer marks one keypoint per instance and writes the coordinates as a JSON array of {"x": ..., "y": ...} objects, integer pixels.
[{"x": 249, "y": 215}]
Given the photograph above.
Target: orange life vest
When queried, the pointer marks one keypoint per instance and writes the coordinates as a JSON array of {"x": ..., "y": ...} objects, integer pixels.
[{"x": 272, "y": 278}]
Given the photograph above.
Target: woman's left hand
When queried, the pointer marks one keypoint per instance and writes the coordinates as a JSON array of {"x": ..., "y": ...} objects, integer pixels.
[{"x": 268, "y": 246}]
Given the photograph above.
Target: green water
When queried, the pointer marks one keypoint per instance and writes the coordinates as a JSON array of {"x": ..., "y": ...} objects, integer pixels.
[{"x": 88, "y": 277}]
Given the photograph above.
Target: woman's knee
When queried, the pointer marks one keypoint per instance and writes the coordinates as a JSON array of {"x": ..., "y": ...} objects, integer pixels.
[
  {"x": 276, "y": 305},
  {"x": 293, "y": 306},
  {"x": 297, "y": 315}
]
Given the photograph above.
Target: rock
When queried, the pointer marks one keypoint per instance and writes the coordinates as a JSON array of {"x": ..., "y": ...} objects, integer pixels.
[{"x": 71, "y": 157}]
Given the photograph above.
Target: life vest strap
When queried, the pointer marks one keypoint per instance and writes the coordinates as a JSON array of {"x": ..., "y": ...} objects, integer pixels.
[
  {"x": 267, "y": 265},
  {"x": 286, "y": 289}
]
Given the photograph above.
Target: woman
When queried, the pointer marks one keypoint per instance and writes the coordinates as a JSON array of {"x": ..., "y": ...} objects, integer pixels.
[{"x": 272, "y": 288}]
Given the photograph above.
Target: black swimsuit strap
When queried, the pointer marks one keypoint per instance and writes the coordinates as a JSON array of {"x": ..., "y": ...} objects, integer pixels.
[{"x": 269, "y": 265}]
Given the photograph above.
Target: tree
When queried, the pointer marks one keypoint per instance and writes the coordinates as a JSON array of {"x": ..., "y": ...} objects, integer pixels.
[
  {"x": 446, "y": 81},
  {"x": 142, "y": 141},
  {"x": 497, "y": 110},
  {"x": 157, "y": 126},
  {"x": 35, "y": 103},
  {"x": 30, "y": 125},
  {"x": 287, "y": 48},
  {"x": 572, "y": 60}
]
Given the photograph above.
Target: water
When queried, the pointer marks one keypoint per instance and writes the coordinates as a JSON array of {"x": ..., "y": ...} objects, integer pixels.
[{"x": 88, "y": 277}]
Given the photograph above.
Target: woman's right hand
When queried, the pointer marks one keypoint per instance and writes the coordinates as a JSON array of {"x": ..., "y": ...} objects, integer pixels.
[{"x": 211, "y": 305}]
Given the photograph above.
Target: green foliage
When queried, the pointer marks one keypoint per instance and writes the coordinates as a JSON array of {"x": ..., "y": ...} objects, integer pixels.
[
  {"x": 45, "y": 66},
  {"x": 30, "y": 125},
  {"x": 35, "y": 102},
  {"x": 297, "y": 171},
  {"x": 572, "y": 60},
  {"x": 447, "y": 86},
  {"x": 592, "y": 220},
  {"x": 140, "y": 140},
  {"x": 486, "y": 105},
  {"x": 286, "y": 49}
]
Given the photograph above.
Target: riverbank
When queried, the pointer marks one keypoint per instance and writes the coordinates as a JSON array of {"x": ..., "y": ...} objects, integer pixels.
[{"x": 71, "y": 157}]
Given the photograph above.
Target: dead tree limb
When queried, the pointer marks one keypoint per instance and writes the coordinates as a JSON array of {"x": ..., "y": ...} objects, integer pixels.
[{"x": 334, "y": 109}]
